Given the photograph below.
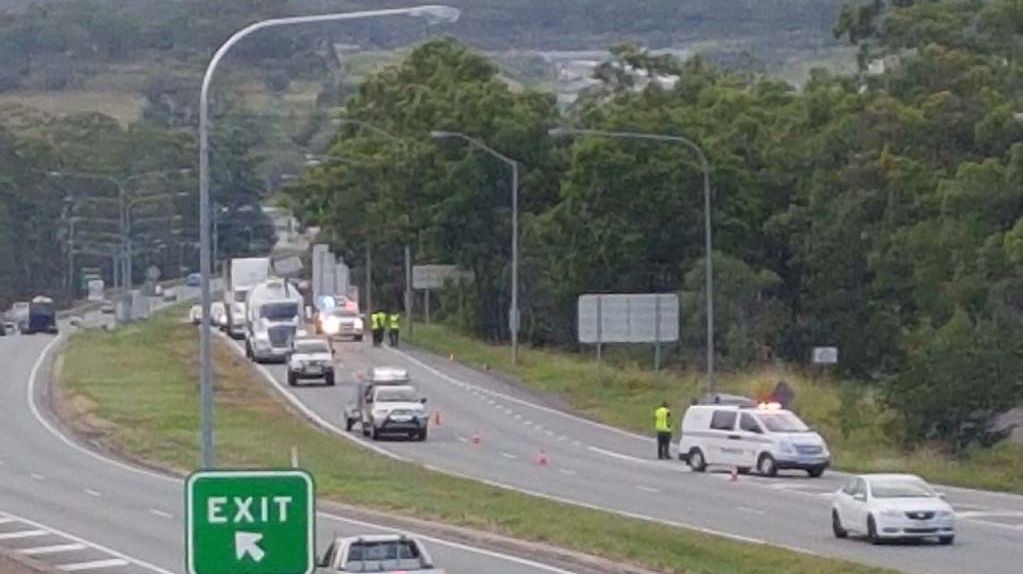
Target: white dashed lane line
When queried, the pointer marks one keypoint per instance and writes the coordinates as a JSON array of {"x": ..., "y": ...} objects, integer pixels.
[
  {"x": 54, "y": 549},
  {"x": 93, "y": 565},
  {"x": 160, "y": 513},
  {"x": 93, "y": 493},
  {"x": 17, "y": 535},
  {"x": 509, "y": 455},
  {"x": 647, "y": 489},
  {"x": 566, "y": 471},
  {"x": 37, "y": 476}
]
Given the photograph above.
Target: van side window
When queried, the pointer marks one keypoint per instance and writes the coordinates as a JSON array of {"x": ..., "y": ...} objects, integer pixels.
[
  {"x": 749, "y": 424},
  {"x": 723, "y": 420}
]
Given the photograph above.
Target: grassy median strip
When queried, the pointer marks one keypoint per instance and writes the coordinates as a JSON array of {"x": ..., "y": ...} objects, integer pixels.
[
  {"x": 854, "y": 423},
  {"x": 135, "y": 390}
]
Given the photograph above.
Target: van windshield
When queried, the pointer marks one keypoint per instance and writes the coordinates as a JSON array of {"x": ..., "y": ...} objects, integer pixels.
[{"x": 782, "y": 422}]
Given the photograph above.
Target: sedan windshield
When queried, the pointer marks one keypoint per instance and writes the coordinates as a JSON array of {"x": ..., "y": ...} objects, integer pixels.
[
  {"x": 900, "y": 488},
  {"x": 783, "y": 422},
  {"x": 396, "y": 396}
]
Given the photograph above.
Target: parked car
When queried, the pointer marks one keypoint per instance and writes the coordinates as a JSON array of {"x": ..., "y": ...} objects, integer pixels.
[
  {"x": 313, "y": 358},
  {"x": 892, "y": 506},
  {"x": 766, "y": 437},
  {"x": 193, "y": 280},
  {"x": 391, "y": 406}
]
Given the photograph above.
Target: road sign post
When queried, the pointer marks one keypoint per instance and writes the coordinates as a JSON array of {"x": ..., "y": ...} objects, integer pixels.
[{"x": 250, "y": 522}]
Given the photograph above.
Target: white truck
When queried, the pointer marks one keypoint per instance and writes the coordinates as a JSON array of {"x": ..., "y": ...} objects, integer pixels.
[
  {"x": 379, "y": 553},
  {"x": 273, "y": 319},
  {"x": 243, "y": 275}
]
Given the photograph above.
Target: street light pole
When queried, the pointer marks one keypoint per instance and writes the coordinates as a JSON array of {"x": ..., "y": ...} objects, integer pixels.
[
  {"x": 707, "y": 231},
  {"x": 513, "y": 312},
  {"x": 433, "y": 13}
]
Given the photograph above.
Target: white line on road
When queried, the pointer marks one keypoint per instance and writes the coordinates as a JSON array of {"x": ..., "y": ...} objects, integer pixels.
[
  {"x": 6, "y": 519},
  {"x": 566, "y": 471},
  {"x": 93, "y": 493},
  {"x": 94, "y": 565},
  {"x": 462, "y": 439},
  {"x": 751, "y": 510},
  {"x": 647, "y": 488},
  {"x": 22, "y": 534},
  {"x": 160, "y": 513},
  {"x": 39, "y": 550},
  {"x": 37, "y": 476},
  {"x": 508, "y": 455}
]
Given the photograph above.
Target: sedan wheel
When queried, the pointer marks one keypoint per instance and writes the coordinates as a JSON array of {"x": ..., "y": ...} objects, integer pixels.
[
  {"x": 872, "y": 531},
  {"x": 836, "y": 526}
]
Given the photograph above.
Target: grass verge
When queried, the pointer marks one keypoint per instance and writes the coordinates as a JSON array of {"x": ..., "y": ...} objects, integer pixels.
[
  {"x": 135, "y": 390},
  {"x": 855, "y": 424}
]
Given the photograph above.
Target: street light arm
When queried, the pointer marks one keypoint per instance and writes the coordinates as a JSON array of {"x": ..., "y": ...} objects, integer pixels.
[
  {"x": 375, "y": 129},
  {"x": 566, "y": 132},
  {"x": 437, "y": 134}
]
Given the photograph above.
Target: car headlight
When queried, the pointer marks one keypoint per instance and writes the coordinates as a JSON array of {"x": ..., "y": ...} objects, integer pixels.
[
  {"x": 331, "y": 326},
  {"x": 358, "y": 324}
]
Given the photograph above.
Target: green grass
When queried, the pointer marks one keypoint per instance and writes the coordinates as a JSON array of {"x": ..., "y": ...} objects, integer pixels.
[
  {"x": 135, "y": 389},
  {"x": 856, "y": 426}
]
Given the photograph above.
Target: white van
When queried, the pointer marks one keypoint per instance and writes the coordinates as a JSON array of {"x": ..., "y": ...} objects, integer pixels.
[{"x": 765, "y": 437}]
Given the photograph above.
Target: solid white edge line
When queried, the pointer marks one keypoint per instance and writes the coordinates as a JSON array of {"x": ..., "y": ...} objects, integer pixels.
[{"x": 99, "y": 547}]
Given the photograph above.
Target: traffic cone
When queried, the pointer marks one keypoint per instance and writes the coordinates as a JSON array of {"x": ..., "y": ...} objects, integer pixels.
[
  {"x": 476, "y": 437},
  {"x": 735, "y": 474},
  {"x": 541, "y": 459},
  {"x": 436, "y": 418}
]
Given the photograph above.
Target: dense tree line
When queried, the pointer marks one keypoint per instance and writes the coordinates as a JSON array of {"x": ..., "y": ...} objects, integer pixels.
[{"x": 881, "y": 212}]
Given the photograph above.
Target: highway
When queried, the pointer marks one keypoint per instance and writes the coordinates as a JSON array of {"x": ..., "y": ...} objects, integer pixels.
[
  {"x": 67, "y": 505},
  {"x": 597, "y": 466}
]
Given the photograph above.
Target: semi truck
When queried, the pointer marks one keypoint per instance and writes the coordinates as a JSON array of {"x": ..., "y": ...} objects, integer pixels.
[
  {"x": 243, "y": 275},
  {"x": 274, "y": 316},
  {"x": 42, "y": 316}
]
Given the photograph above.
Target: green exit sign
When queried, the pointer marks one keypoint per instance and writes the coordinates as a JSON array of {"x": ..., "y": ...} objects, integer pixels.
[{"x": 250, "y": 522}]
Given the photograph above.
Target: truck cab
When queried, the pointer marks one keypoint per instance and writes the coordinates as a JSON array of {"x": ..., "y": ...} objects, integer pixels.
[
  {"x": 274, "y": 319},
  {"x": 381, "y": 553},
  {"x": 42, "y": 316}
]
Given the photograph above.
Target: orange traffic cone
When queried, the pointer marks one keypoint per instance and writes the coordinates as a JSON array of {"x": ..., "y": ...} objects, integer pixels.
[
  {"x": 541, "y": 459},
  {"x": 735, "y": 474},
  {"x": 436, "y": 418},
  {"x": 476, "y": 437}
]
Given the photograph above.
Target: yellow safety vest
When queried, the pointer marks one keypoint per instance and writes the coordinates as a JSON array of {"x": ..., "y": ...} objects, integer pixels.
[
  {"x": 662, "y": 420},
  {"x": 395, "y": 322},
  {"x": 377, "y": 320}
]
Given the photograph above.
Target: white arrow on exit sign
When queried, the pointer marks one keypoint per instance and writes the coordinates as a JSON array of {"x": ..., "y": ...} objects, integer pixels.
[{"x": 247, "y": 544}]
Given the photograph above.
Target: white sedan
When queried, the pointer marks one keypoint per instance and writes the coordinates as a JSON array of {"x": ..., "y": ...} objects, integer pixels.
[{"x": 890, "y": 506}]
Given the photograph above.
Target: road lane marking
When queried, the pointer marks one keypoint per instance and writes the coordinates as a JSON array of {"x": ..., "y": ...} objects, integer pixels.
[
  {"x": 751, "y": 510},
  {"x": 39, "y": 550},
  {"x": 23, "y": 534},
  {"x": 99, "y": 547},
  {"x": 549, "y": 432},
  {"x": 95, "y": 564},
  {"x": 93, "y": 493},
  {"x": 566, "y": 471},
  {"x": 508, "y": 455},
  {"x": 37, "y": 476},
  {"x": 647, "y": 488},
  {"x": 6, "y": 519},
  {"x": 161, "y": 513},
  {"x": 462, "y": 439},
  {"x": 528, "y": 423}
]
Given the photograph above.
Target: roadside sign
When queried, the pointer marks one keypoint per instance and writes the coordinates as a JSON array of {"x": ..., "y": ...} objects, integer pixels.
[
  {"x": 638, "y": 318},
  {"x": 435, "y": 276},
  {"x": 825, "y": 355},
  {"x": 250, "y": 522}
]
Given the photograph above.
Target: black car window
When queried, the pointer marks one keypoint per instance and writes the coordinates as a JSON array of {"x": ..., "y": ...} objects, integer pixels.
[
  {"x": 749, "y": 424},
  {"x": 723, "y": 420}
]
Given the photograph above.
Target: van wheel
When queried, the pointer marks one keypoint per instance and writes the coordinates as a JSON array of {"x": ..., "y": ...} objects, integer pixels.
[
  {"x": 365, "y": 430},
  {"x": 815, "y": 472},
  {"x": 836, "y": 525},
  {"x": 696, "y": 460},
  {"x": 348, "y": 424},
  {"x": 292, "y": 379},
  {"x": 946, "y": 540},
  {"x": 248, "y": 351},
  {"x": 766, "y": 465},
  {"x": 329, "y": 379}
]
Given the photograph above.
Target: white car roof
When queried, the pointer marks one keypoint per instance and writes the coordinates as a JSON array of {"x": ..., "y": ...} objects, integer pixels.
[
  {"x": 889, "y": 476},
  {"x": 377, "y": 538}
]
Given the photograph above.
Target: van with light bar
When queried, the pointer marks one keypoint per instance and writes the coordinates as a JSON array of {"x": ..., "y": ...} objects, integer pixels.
[{"x": 764, "y": 437}]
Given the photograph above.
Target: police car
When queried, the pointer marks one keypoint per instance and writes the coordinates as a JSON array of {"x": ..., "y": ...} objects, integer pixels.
[{"x": 765, "y": 437}]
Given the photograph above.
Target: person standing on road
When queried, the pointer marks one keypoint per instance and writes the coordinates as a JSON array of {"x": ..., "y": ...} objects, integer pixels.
[
  {"x": 394, "y": 328},
  {"x": 662, "y": 424},
  {"x": 376, "y": 321}
]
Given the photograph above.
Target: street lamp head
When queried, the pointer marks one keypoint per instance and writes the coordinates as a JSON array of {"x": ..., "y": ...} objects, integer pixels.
[
  {"x": 440, "y": 134},
  {"x": 559, "y": 132},
  {"x": 436, "y": 14}
]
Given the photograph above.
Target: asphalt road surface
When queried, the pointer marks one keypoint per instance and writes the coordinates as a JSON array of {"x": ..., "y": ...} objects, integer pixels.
[
  {"x": 62, "y": 503},
  {"x": 594, "y": 465}
]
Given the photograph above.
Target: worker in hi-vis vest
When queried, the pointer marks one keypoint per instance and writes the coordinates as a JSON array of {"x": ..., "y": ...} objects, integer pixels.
[
  {"x": 376, "y": 322},
  {"x": 662, "y": 424},
  {"x": 393, "y": 328}
]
